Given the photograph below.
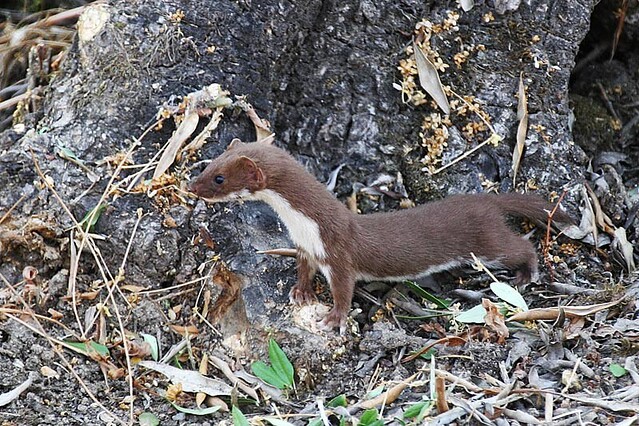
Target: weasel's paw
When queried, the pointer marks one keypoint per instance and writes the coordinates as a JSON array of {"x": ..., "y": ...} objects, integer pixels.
[
  {"x": 301, "y": 296},
  {"x": 333, "y": 320}
]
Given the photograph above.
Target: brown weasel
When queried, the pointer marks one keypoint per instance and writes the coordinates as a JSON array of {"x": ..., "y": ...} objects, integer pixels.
[{"x": 347, "y": 247}]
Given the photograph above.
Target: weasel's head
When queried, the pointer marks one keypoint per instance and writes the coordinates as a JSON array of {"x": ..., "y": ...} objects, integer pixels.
[{"x": 231, "y": 176}]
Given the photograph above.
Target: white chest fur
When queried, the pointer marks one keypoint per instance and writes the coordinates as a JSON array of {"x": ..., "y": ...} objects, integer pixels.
[{"x": 303, "y": 230}]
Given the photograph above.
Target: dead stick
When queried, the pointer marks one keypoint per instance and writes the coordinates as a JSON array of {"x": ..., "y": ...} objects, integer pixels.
[{"x": 551, "y": 269}]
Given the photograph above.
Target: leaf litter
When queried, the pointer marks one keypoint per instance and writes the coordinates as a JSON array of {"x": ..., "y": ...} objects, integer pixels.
[{"x": 456, "y": 396}]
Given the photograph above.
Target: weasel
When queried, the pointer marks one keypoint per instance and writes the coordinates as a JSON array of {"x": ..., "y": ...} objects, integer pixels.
[{"x": 395, "y": 246}]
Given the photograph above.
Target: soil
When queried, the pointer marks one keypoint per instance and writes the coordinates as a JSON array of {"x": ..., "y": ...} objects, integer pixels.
[{"x": 325, "y": 76}]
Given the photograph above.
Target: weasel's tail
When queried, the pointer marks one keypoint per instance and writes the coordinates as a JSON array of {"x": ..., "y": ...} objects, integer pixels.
[{"x": 532, "y": 207}]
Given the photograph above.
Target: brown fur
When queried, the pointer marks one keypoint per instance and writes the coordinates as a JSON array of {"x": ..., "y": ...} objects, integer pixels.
[{"x": 404, "y": 243}]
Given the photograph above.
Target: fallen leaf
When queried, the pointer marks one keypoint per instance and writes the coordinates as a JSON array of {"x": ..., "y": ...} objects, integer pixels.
[
  {"x": 509, "y": 295},
  {"x": 429, "y": 79},
  {"x": 49, "y": 372},
  {"x": 191, "y": 381},
  {"x": 387, "y": 397},
  {"x": 440, "y": 391},
  {"x": 568, "y": 311},
  {"x": 182, "y": 133},
  {"x": 446, "y": 341},
  {"x": 289, "y": 252},
  {"x": 475, "y": 315},
  {"x": 132, "y": 288},
  {"x": 621, "y": 242},
  {"x": 262, "y": 127},
  {"x": 522, "y": 129},
  {"x": 55, "y": 314},
  {"x": 201, "y": 138},
  {"x": 603, "y": 221},
  {"x": 189, "y": 330},
  {"x": 14, "y": 393},
  {"x": 495, "y": 320}
]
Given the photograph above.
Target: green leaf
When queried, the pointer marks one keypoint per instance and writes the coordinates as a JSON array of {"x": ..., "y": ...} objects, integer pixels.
[
  {"x": 317, "y": 421},
  {"x": 417, "y": 409},
  {"x": 440, "y": 303},
  {"x": 268, "y": 374},
  {"x": 89, "y": 348},
  {"x": 429, "y": 354},
  {"x": 91, "y": 218},
  {"x": 617, "y": 370},
  {"x": 473, "y": 315},
  {"x": 370, "y": 418},
  {"x": 148, "y": 419},
  {"x": 374, "y": 392},
  {"x": 67, "y": 154},
  {"x": 277, "y": 422},
  {"x": 196, "y": 411},
  {"x": 280, "y": 363},
  {"x": 509, "y": 295},
  {"x": 238, "y": 417},
  {"x": 338, "y": 401},
  {"x": 153, "y": 344}
]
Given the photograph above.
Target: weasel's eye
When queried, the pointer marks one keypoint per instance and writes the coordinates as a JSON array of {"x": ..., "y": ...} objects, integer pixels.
[{"x": 219, "y": 179}]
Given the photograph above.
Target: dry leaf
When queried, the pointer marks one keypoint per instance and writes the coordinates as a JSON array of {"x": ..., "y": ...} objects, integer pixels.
[
  {"x": 89, "y": 295},
  {"x": 387, "y": 397},
  {"x": 224, "y": 367},
  {"x": 448, "y": 341},
  {"x": 139, "y": 349},
  {"x": 54, "y": 314},
  {"x": 621, "y": 242},
  {"x": 603, "y": 221},
  {"x": 429, "y": 79},
  {"x": 190, "y": 381},
  {"x": 288, "y": 252},
  {"x": 132, "y": 288},
  {"x": 182, "y": 133},
  {"x": 49, "y": 372},
  {"x": 262, "y": 127},
  {"x": 200, "y": 139},
  {"x": 568, "y": 311},
  {"x": 14, "y": 393},
  {"x": 522, "y": 129},
  {"x": 189, "y": 330},
  {"x": 495, "y": 320},
  {"x": 203, "y": 369},
  {"x": 586, "y": 225},
  {"x": 113, "y": 372},
  {"x": 207, "y": 302},
  {"x": 213, "y": 401},
  {"x": 440, "y": 391}
]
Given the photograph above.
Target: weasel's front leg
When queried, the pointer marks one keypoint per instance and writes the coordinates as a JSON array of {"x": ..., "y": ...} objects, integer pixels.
[
  {"x": 303, "y": 292},
  {"x": 342, "y": 282}
]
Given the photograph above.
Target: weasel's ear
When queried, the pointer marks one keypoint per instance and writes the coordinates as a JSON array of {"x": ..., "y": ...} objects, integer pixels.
[
  {"x": 234, "y": 143},
  {"x": 253, "y": 171},
  {"x": 267, "y": 140}
]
